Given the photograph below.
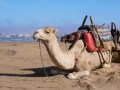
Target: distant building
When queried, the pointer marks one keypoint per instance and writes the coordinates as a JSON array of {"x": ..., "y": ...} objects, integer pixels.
[{"x": 16, "y": 35}]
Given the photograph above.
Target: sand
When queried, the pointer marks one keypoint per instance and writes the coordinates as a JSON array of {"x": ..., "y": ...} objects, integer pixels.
[{"x": 21, "y": 69}]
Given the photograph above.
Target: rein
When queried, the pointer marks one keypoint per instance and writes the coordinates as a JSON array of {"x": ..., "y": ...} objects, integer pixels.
[
  {"x": 81, "y": 52},
  {"x": 42, "y": 60},
  {"x": 66, "y": 46}
]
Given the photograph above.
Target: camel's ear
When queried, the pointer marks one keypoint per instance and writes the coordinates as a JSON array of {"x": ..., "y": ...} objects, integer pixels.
[{"x": 55, "y": 31}]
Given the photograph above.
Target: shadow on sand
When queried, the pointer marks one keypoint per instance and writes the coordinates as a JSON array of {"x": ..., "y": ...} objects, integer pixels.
[{"x": 38, "y": 72}]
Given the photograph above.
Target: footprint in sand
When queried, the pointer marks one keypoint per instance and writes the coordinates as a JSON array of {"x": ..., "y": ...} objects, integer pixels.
[{"x": 10, "y": 52}]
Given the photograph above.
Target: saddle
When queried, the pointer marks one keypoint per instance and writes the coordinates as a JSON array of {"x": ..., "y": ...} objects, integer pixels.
[{"x": 95, "y": 38}]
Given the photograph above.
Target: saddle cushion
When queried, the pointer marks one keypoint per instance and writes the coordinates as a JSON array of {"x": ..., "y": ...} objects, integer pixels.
[{"x": 104, "y": 34}]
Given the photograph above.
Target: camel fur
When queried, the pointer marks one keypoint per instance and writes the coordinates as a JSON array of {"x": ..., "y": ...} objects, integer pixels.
[{"x": 77, "y": 58}]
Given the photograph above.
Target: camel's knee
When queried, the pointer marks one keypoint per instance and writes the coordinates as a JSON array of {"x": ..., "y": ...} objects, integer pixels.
[{"x": 79, "y": 74}]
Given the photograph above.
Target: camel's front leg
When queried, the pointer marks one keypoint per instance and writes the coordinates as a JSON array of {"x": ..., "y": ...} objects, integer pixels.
[
  {"x": 107, "y": 61},
  {"x": 78, "y": 74}
]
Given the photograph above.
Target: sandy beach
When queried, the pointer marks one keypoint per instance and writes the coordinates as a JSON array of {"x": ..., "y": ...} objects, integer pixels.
[{"x": 21, "y": 69}]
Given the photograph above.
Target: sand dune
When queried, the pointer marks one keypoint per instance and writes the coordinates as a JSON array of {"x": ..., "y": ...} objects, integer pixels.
[{"x": 21, "y": 69}]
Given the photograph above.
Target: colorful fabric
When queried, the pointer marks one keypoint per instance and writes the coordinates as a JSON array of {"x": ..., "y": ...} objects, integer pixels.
[{"x": 104, "y": 34}]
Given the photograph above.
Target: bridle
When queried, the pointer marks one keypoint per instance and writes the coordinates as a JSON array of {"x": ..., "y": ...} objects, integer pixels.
[{"x": 41, "y": 59}]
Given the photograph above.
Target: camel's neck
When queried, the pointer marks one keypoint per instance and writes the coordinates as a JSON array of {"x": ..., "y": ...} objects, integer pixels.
[{"x": 64, "y": 60}]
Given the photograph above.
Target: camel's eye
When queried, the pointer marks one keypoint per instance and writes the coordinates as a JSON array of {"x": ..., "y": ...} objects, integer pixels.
[{"x": 46, "y": 32}]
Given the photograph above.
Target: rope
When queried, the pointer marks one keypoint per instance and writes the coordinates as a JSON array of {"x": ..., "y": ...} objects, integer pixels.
[
  {"x": 66, "y": 46},
  {"x": 42, "y": 60},
  {"x": 81, "y": 52}
]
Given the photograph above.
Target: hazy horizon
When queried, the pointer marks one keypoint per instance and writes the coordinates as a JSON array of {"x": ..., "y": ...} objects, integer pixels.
[{"x": 25, "y": 16}]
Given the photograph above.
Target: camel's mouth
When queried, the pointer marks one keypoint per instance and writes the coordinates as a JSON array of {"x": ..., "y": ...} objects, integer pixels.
[{"x": 35, "y": 37}]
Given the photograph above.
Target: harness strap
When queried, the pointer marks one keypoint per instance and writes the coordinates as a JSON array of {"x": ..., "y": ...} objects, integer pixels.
[
  {"x": 66, "y": 46},
  {"x": 81, "y": 52},
  {"x": 101, "y": 58}
]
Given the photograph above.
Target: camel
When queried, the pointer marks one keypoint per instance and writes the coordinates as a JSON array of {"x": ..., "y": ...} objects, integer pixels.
[{"x": 77, "y": 58}]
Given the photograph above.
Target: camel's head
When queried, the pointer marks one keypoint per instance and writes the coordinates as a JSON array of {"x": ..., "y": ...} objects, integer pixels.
[{"x": 45, "y": 35}]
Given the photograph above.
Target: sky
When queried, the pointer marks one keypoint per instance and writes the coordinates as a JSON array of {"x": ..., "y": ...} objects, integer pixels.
[{"x": 25, "y": 16}]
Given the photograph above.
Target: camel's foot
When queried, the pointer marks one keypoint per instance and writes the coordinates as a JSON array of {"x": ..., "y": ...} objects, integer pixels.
[
  {"x": 106, "y": 65},
  {"x": 76, "y": 75},
  {"x": 71, "y": 76}
]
